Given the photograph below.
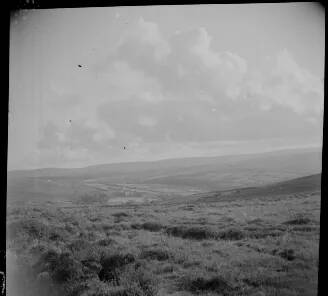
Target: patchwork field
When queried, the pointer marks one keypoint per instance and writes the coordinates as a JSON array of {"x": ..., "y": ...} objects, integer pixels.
[{"x": 258, "y": 241}]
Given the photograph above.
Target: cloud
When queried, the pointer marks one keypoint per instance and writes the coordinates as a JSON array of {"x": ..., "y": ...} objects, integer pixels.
[
  {"x": 75, "y": 141},
  {"x": 281, "y": 81},
  {"x": 178, "y": 89},
  {"x": 147, "y": 121},
  {"x": 182, "y": 62},
  {"x": 50, "y": 137},
  {"x": 148, "y": 33}
]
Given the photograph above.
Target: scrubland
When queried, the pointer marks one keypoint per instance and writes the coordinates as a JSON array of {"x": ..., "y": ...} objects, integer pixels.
[{"x": 260, "y": 246}]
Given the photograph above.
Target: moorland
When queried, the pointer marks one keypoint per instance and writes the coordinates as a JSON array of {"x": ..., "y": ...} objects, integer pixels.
[{"x": 232, "y": 225}]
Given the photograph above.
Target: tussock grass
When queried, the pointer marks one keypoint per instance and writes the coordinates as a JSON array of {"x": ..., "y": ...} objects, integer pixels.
[
  {"x": 231, "y": 234},
  {"x": 36, "y": 229},
  {"x": 61, "y": 266},
  {"x": 198, "y": 283},
  {"x": 106, "y": 242},
  {"x": 138, "y": 281},
  {"x": 120, "y": 215},
  {"x": 78, "y": 245},
  {"x": 299, "y": 220},
  {"x": 196, "y": 233},
  {"x": 81, "y": 251},
  {"x": 166, "y": 268},
  {"x": 264, "y": 233},
  {"x": 305, "y": 228},
  {"x": 288, "y": 254},
  {"x": 155, "y": 254},
  {"x": 204, "y": 233},
  {"x": 111, "y": 265},
  {"x": 150, "y": 226}
]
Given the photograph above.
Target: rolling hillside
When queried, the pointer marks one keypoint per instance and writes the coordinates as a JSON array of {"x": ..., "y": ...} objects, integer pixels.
[
  {"x": 176, "y": 175},
  {"x": 293, "y": 187}
]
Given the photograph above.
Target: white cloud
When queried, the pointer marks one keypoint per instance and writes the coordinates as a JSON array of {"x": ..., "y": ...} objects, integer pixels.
[
  {"x": 179, "y": 90},
  {"x": 149, "y": 33},
  {"x": 283, "y": 82},
  {"x": 147, "y": 121}
]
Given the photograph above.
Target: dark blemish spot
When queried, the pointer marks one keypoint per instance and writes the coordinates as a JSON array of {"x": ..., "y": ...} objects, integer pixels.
[
  {"x": 79, "y": 66},
  {"x": 124, "y": 148}
]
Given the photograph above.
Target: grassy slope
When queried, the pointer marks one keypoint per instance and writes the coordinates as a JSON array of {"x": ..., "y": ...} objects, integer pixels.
[
  {"x": 295, "y": 186},
  {"x": 264, "y": 245},
  {"x": 208, "y": 173}
]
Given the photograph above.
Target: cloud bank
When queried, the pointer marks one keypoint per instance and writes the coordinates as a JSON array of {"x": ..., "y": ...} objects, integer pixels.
[{"x": 154, "y": 90}]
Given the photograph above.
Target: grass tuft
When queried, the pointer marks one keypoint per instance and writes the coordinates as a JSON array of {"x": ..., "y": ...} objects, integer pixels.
[
  {"x": 299, "y": 220},
  {"x": 111, "y": 265},
  {"x": 150, "y": 226},
  {"x": 196, "y": 233},
  {"x": 155, "y": 254},
  {"x": 208, "y": 283},
  {"x": 231, "y": 234}
]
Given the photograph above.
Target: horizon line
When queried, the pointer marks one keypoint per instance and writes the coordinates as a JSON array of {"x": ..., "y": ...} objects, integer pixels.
[{"x": 315, "y": 147}]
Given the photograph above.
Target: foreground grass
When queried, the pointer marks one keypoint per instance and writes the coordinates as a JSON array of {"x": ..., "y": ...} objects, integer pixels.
[{"x": 240, "y": 248}]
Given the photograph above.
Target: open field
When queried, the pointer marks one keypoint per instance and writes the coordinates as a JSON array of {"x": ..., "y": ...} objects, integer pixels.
[{"x": 260, "y": 242}]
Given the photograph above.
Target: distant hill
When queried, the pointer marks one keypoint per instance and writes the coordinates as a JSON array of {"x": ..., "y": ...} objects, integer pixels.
[
  {"x": 301, "y": 185},
  {"x": 201, "y": 173}
]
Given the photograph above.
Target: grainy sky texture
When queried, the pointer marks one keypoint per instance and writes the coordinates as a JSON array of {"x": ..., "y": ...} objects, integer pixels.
[{"x": 163, "y": 82}]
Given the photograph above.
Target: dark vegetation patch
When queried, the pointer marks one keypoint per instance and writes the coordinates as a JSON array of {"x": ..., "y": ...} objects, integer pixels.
[
  {"x": 132, "y": 280},
  {"x": 78, "y": 245},
  {"x": 120, "y": 215},
  {"x": 95, "y": 219},
  {"x": 255, "y": 247},
  {"x": 227, "y": 220},
  {"x": 115, "y": 274},
  {"x": 256, "y": 221},
  {"x": 288, "y": 254},
  {"x": 197, "y": 283},
  {"x": 91, "y": 266},
  {"x": 203, "y": 233},
  {"x": 305, "y": 228},
  {"x": 61, "y": 266},
  {"x": 264, "y": 232},
  {"x": 268, "y": 279},
  {"x": 111, "y": 265},
  {"x": 36, "y": 230},
  {"x": 196, "y": 233},
  {"x": 299, "y": 220},
  {"x": 155, "y": 254},
  {"x": 93, "y": 252},
  {"x": 106, "y": 242},
  {"x": 150, "y": 226},
  {"x": 33, "y": 228},
  {"x": 138, "y": 281},
  {"x": 89, "y": 236},
  {"x": 231, "y": 234},
  {"x": 166, "y": 268},
  {"x": 191, "y": 263}
]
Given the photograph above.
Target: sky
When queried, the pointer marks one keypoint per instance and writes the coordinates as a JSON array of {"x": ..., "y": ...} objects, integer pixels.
[{"x": 100, "y": 85}]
